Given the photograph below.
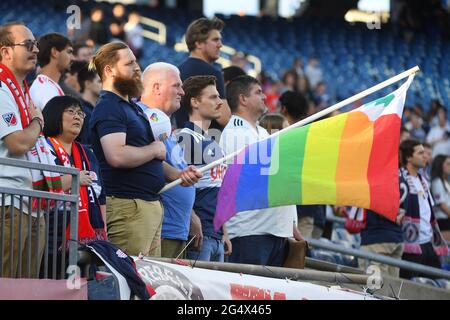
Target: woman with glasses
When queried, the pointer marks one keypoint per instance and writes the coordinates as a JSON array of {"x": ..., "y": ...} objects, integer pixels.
[{"x": 63, "y": 122}]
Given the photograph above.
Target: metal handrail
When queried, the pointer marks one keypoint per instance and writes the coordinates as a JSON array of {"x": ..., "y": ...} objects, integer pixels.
[
  {"x": 416, "y": 267},
  {"x": 40, "y": 194},
  {"x": 342, "y": 221},
  {"x": 38, "y": 166},
  {"x": 73, "y": 198}
]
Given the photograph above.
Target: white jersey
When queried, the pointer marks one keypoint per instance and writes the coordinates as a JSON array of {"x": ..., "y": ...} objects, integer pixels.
[
  {"x": 43, "y": 89},
  {"x": 426, "y": 231},
  {"x": 10, "y": 176},
  {"x": 441, "y": 195},
  {"x": 277, "y": 221},
  {"x": 159, "y": 122}
]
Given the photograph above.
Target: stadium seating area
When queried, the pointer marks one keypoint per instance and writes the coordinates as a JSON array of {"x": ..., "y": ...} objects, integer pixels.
[{"x": 352, "y": 56}]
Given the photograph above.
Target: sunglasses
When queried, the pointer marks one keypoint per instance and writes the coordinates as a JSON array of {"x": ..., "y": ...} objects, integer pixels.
[{"x": 28, "y": 44}]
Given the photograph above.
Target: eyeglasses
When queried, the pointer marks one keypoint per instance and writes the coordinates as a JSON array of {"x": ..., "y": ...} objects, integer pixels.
[
  {"x": 73, "y": 112},
  {"x": 28, "y": 44}
]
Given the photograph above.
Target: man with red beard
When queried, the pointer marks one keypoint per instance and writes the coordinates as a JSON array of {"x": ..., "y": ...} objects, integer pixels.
[{"x": 130, "y": 158}]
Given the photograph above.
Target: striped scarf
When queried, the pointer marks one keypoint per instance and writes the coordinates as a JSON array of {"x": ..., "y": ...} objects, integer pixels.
[
  {"x": 39, "y": 153},
  {"x": 86, "y": 233},
  {"x": 411, "y": 222}
]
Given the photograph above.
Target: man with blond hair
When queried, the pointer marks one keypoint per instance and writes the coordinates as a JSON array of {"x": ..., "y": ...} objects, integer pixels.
[
  {"x": 204, "y": 40},
  {"x": 131, "y": 159}
]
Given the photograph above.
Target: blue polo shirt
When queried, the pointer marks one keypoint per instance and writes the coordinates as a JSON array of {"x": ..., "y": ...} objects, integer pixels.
[
  {"x": 113, "y": 114},
  {"x": 178, "y": 201}
]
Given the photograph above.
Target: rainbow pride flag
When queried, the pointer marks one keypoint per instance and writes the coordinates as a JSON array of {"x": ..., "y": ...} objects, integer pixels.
[{"x": 350, "y": 160}]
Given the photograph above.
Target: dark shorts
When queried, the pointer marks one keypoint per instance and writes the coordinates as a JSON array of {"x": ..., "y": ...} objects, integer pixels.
[
  {"x": 428, "y": 258},
  {"x": 267, "y": 250}
]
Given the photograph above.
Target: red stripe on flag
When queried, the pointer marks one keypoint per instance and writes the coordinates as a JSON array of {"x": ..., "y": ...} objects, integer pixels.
[{"x": 382, "y": 173}]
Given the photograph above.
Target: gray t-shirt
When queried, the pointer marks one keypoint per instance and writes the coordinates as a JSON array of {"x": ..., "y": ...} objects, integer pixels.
[{"x": 11, "y": 177}]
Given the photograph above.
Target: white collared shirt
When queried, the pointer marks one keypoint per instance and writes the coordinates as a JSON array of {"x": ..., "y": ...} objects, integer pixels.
[{"x": 276, "y": 221}]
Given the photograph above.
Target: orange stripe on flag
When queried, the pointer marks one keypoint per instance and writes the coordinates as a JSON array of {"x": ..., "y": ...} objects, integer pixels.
[{"x": 353, "y": 161}]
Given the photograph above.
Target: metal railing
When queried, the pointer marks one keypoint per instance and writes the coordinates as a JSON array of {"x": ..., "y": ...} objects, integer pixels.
[
  {"x": 369, "y": 256},
  {"x": 341, "y": 220},
  {"x": 160, "y": 35},
  {"x": 48, "y": 208},
  {"x": 225, "y": 59}
]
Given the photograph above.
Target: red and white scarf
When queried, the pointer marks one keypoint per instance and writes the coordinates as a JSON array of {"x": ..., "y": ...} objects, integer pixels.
[
  {"x": 355, "y": 220},
  {"x": 85, "y": 231},
  {"x": 42, "y": 180}
]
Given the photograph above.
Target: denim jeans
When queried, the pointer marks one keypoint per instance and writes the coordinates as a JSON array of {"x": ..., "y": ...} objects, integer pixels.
[{"x": 212, "y": 250}]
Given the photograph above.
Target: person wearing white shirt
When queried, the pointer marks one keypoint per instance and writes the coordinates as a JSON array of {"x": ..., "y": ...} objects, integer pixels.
[
  {"x": 19, "y": 133},
  {"x": 313, "y": 72},
  {"x": 55, "y": 57},
  {"x": 423, "y": 242},
  {"x": 440, "y": 188},
  {"x": 257, "y": 236},
  {"x": 133, "y": 34},
  {"x": 438, "y": 137}
]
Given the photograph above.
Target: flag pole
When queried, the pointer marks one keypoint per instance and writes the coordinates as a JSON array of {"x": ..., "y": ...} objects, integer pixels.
[{"x": 309, "y": 119}]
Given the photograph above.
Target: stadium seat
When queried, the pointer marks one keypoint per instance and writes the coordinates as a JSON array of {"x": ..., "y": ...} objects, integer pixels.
[
  {"x": 323, "y": 255},
  {"x": 428, "y": 281},
  {"x": 443, "y": 283},
  {"x": 352, "y": 57}
]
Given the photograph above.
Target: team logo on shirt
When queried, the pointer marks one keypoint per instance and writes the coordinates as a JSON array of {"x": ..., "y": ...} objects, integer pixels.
[
  {"x": 121, "y": 254},
  {"x": 410, "y": 232},
  {"x": 154, "y": 118},
  {"x": 10, "y": 119}
]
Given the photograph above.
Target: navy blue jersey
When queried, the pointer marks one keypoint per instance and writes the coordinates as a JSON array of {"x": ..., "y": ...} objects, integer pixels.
[
  {"x": 200, "y": 150},
  {"x": 197, "y": 67}
]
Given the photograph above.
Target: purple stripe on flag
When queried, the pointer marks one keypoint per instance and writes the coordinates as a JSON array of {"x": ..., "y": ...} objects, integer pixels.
[
  {"x": 252, "y": 190},
  {"x": 226, "y": 199}
]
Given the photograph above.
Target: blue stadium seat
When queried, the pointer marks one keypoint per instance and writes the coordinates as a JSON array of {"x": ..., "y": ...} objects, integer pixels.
[
  {"x": 353, "y": 58},
  {"x": 443, "y": 283},
  {"x": 424, "y": 280},
  {"x": 323, "y": 255}
]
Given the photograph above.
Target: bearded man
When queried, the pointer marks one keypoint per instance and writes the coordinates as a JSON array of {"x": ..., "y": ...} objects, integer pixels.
[{"x": 131, "y": 159}]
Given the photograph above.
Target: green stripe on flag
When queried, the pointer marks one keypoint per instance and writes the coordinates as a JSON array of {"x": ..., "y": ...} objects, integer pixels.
[{"x": 284, "y": 183}]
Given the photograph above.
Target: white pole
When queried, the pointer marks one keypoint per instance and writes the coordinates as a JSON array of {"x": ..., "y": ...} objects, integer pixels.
[{"x": 311, "y": 118}]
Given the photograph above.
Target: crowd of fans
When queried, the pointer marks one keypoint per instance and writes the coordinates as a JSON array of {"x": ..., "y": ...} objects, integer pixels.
[{"x": 129, "y": 132}]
